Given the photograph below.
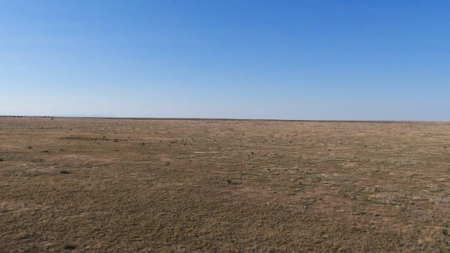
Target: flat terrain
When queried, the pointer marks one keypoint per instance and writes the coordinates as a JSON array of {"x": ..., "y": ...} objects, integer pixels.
[{"x": 122, "y": 185}]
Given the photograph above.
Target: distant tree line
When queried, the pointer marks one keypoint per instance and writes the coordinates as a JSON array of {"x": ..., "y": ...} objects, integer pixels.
[{"x": 14, "y": 116}]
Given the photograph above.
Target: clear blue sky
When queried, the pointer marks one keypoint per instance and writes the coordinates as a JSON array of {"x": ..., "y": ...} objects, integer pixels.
[{"x": 301, "y": 59}]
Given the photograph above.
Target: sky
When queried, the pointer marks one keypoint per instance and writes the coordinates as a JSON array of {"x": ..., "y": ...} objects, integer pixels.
[{"x": 243, "y": 59}]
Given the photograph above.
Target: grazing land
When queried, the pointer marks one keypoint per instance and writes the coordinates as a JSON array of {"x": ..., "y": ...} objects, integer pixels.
[{"x": 128, "y": 185}]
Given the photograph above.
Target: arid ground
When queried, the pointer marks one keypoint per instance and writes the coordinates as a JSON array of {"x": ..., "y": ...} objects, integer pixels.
[{"x": 123, "y": 185}]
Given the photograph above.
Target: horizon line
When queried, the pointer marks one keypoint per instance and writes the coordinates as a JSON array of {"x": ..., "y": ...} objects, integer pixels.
[{"x": 222, "y": 119}]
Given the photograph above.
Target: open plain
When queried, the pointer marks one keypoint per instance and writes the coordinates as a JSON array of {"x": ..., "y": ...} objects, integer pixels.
[{"x": 130, "y": 185}]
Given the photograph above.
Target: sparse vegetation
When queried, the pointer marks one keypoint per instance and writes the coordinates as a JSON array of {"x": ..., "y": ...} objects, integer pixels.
[
  {"x": 69, "y": 247},
  {"x": 198, "y": 186}
]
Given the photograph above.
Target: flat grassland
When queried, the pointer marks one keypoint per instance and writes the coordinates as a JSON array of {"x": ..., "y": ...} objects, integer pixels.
[{"x": 124, "y": 185}]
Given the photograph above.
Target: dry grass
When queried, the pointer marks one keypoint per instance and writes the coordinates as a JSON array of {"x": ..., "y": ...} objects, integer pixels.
[{"x": 107, "y": 185}]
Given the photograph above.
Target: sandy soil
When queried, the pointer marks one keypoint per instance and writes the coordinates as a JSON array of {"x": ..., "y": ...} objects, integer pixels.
[{"x": 121, "y": 185}]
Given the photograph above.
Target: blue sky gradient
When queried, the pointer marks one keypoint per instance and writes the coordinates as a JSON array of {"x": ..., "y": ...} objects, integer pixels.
[{"x": 302, "y": 59}]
